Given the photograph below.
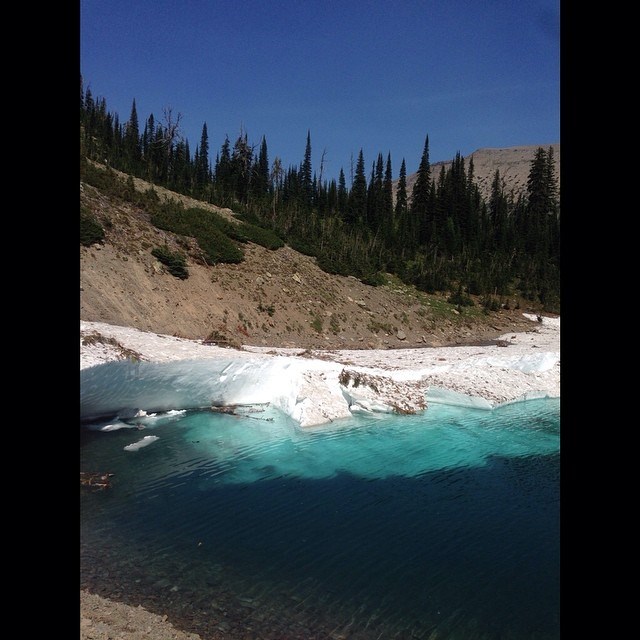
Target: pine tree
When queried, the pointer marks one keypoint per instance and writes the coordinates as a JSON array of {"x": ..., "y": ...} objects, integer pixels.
[
  {"x": 498, "y": 209},
  {"x": 178, "y": 168},
  {"x": 223, "y": 174},
  {"x": 386, "y": 218},
  {"x": 374, "y": 195},
  {"x": 401, "y": 194},
  {"x": 148, "y": 138},
  {"x": 332, "y": 198},
  {"x": 241, "y": 166},
  {"x": 419, "y": 219},
  {"x": 357, "y": 209},
  {"x": 81, "y": 99},
  {"x": 538, "y": 203},
  {"x": 306, "y": 183},
  {"x": 537, "y": 182},
  {"x": 133, "y": 151},
  {"x": 203, "y": 171},
  {"x": 260, "y": 177},
  {"x": 343, "y": 196},
  {"x": 552, "y": 182}
]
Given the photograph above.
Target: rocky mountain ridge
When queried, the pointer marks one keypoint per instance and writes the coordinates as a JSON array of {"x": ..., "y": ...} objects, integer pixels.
[{"x": 513, "y": 163}]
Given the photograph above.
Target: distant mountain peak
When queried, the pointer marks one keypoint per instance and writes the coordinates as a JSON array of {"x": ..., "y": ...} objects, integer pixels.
[{"x": 513, "y": 163}]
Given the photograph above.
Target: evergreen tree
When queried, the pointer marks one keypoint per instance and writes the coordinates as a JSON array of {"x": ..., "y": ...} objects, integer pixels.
[
  {"x": 538, "y": 204},
  {"x": 133, "y": 151},
  {"x": 537, "y": 183},
  {"x": 320, "y": 197},
  {"x": 86, "y": 131},
  {"x": 498, "y": 209},
  {"x": 419, "y": 218},
  {"x": 148, "y": 139},
  {"x": 159, "y": 158},
  {"x": 343, "y": 196},
  {"x": 374, "y": 195},
  {"x": 177, "y": 178},
  {"x": 306, "y": 182},
  {"x": 203, "y": 171},
  {"x": 400, "y": 212},
  {"x": 118, "y": 142},
  {"x": 386, "y": 218},
  {"x": 260, "y": 178},
  {"x": 82, "y": 110},
  {"x": 552, "y": 182},
  {"x": 241, "y": 166},
  {"x": 223, "y": 174},
  {"x": 357, "y": 209},
  {"x": 332, "y": 198}
]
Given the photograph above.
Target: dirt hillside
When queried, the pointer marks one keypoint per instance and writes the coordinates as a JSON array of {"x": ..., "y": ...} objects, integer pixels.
[{"x": 273, "y": 298}]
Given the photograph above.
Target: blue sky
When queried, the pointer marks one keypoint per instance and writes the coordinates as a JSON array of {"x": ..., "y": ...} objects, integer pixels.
[{"x": 371, "y": 75}]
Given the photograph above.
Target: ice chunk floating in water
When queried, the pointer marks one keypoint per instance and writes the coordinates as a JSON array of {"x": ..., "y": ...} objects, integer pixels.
[{"x": 147, "y": 440}]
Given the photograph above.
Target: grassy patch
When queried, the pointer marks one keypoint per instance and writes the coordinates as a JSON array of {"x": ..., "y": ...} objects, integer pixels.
[
  {"x": 316, "y": 324},
  {"x": 376, "y": 326}
]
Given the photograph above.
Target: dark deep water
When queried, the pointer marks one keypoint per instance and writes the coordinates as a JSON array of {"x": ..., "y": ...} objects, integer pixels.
[{"x": 380, "y": 527}]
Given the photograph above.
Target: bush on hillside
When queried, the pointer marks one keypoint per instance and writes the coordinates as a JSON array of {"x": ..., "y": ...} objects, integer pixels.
[
  {"x": 91, "y": 231},
  {"x": 460, "y": 299},
  {"x": 219, "y": 248},
  {"x": 303, "y": 246},
  {"x": 173, "y": 260},
  {"x": 264, "y": 237},
  {"x": 207, "y": 227},
  {"x": 489, "y": 303}
]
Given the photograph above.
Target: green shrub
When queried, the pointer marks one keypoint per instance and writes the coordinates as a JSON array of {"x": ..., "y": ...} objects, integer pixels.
[
  {"x": 264, "y": 237},
  {"x": 103, "y": 179},
  {"x": 270, "y": 309},
  {"x": 489, "y": 303},
  {"x": 208, "y": 228},
  {"x": 460, "y": 299},
  {"x": 304, "y": 246},
  {"x": 218, "y": 247},
  {"x": 174, "y": 261},
  {"x": 91, "y": 230},
  {"x": 373, "y": 279}
]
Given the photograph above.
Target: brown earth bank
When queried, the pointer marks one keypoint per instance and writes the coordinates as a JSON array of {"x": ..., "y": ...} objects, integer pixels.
[{"x": 274, "y": 298}]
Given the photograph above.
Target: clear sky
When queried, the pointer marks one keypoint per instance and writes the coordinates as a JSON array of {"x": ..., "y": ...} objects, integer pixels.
[{"x": 373, "y": 75}]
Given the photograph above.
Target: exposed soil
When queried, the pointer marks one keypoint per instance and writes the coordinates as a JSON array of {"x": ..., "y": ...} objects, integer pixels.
[{"x": 273, "y": 298}]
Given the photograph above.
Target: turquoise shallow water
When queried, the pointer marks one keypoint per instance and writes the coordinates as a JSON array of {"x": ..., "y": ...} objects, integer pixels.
[{"x": 374, "y": 527}]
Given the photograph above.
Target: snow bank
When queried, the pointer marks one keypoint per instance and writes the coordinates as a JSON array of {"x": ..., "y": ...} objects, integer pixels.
[{"x": 173, "y": 374}]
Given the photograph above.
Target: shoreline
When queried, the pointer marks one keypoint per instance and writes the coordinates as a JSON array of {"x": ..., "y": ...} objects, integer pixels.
[{"x": 315, "y": 387}]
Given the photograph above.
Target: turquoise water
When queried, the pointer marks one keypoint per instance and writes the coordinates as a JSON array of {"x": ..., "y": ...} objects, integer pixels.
[{"x": 445, "y": 523}]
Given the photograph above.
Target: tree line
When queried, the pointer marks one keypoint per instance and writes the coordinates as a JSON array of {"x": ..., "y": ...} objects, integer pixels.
[{"x": 443, "y": 236}]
